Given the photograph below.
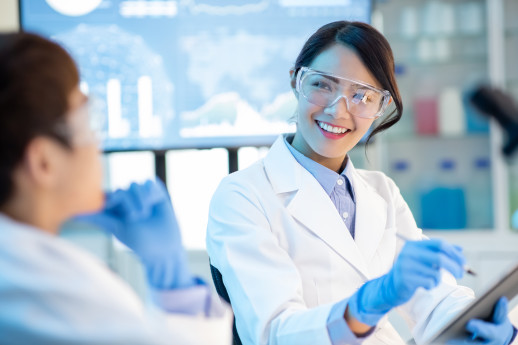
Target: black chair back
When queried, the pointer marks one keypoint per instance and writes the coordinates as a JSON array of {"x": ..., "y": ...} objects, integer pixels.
[{"x": 222, "y": 292}]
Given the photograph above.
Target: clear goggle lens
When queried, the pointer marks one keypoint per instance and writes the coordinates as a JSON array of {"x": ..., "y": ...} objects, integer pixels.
[
  {"x": 325, "y": 90},
  {"x": 85, "y": 125}
]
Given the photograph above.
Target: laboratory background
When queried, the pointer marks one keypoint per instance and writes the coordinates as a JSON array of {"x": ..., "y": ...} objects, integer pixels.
[{"x": 192, "y": 90}]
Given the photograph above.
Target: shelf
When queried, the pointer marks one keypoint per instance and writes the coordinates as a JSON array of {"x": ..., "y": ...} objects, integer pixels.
[
  {"x": 452, "y": 36},
  {"x": 434, "y": 138},
  {"x": 456, "y": 61}
]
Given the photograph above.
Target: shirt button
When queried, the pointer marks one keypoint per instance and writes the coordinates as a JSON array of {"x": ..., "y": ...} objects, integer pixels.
[
  {"x": 345, "y": 215},
  {"x": 340, "y": 182}
]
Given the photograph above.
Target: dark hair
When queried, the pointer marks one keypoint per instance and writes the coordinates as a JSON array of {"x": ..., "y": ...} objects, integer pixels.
[
  {"x": 37, "y": 77},
  {"x": 372, "y": 48}
]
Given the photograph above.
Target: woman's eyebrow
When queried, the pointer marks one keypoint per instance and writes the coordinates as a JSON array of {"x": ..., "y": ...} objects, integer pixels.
[
  {"x": 338, "y": 80},
  {"x": 354, "y": 83},
  {"x": 330, "y": 77}
]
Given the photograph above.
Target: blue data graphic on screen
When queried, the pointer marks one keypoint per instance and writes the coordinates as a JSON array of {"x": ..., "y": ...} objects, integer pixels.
[{"x": 187, "y": 73}]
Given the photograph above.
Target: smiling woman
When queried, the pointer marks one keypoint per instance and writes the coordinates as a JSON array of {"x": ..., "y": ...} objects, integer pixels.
[
  {"x": 309, "y": 247},
  {"x": 340, "y": 112}
]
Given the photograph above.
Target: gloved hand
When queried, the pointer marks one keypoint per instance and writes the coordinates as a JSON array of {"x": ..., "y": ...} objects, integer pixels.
[
  {"x": 419, "y": 264},
  {"x": 143, "y": 218},
  {"x": 498, "y": 332}
]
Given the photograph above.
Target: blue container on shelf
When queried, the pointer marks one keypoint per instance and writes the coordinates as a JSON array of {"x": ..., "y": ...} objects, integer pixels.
[
  {"x": 479, "y": 201},
  {"x": 475, "y": 122},
  {"x": 444, "y": 206}
]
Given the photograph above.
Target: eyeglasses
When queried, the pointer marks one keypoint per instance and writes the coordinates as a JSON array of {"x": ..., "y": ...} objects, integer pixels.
[
  {"x": 325, "y": 90},
  {"x": 83, "y": 126}
]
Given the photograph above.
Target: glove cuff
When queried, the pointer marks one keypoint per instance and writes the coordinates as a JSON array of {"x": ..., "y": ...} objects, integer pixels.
[
  {"x": 171, "y": 273},
  {"x": 513, "y": 336},
  {"x": 366, "y": 307}
]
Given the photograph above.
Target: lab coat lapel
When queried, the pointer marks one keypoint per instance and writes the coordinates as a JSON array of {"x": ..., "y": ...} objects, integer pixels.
[
  {"x": 313, "y": 208},
  {"x": 371, "y": 217},
  {"x": 311, "y": 205}
]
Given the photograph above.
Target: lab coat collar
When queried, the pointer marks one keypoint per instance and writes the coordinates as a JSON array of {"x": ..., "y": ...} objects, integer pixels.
[
  {"x": 325, "y": 176},
  {"x": 281, "y": 167},
  {"x": 312, "y": 207},
  {"x": 11, "y": 227}
]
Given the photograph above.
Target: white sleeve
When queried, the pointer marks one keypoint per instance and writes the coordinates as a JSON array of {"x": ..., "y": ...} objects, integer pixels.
[
  {"x": 196, "y": 309},
  {"x": 214, "y": 329},
  {"x": 57, "y": 294}
]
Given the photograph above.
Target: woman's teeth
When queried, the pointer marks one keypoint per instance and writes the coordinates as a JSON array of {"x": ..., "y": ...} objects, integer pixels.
[{"x": 331, "y": 129}]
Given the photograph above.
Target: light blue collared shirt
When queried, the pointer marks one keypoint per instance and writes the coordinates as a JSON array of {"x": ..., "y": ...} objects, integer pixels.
[
  {"x": 337, "y": 186},
  {"x": 341, "y": 192}
]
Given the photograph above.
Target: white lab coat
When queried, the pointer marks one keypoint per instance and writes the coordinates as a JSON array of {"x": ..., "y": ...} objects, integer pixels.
[
  {"x": 286, "y": 255},
  {"x": 54, "y": 293}
]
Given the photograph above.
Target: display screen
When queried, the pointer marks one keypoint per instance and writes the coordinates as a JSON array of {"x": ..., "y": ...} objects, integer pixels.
[{"x": 187, "y": 74}]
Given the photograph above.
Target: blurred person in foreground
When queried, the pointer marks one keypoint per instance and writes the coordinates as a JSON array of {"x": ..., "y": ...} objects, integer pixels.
[{"x": 51, "y": 291}]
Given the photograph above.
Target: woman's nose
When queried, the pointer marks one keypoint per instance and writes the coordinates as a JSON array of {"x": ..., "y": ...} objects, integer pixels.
[{"x": 338, "y": 109}]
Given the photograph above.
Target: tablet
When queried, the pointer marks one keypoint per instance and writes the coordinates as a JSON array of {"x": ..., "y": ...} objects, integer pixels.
[{"x": 481, "y": 308}]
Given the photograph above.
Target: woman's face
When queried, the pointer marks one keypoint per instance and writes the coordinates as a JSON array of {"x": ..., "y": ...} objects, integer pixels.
[
  {"x": 310, "y": 139},
  {"x": 80, "y": 186}
]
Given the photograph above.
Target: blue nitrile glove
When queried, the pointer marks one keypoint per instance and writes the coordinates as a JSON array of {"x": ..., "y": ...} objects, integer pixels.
[
  {"x": 418, "y": 265},
  {"x": 143, "y": 218},
  {"x": 498, "y": 332}
]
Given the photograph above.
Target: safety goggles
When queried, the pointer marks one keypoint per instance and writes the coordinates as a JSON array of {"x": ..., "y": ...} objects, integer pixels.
[
  {"x": 325, "y": 90},
  {"x": 83, "y": 126}
]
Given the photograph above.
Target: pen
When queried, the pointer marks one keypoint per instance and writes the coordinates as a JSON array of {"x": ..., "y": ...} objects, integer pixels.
[{"x": 467, "y": 269}]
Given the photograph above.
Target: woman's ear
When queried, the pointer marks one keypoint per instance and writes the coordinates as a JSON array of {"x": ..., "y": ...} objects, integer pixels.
[
  {"x": 293, "y": 82},
  {"x": 42, "y": 162}
]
